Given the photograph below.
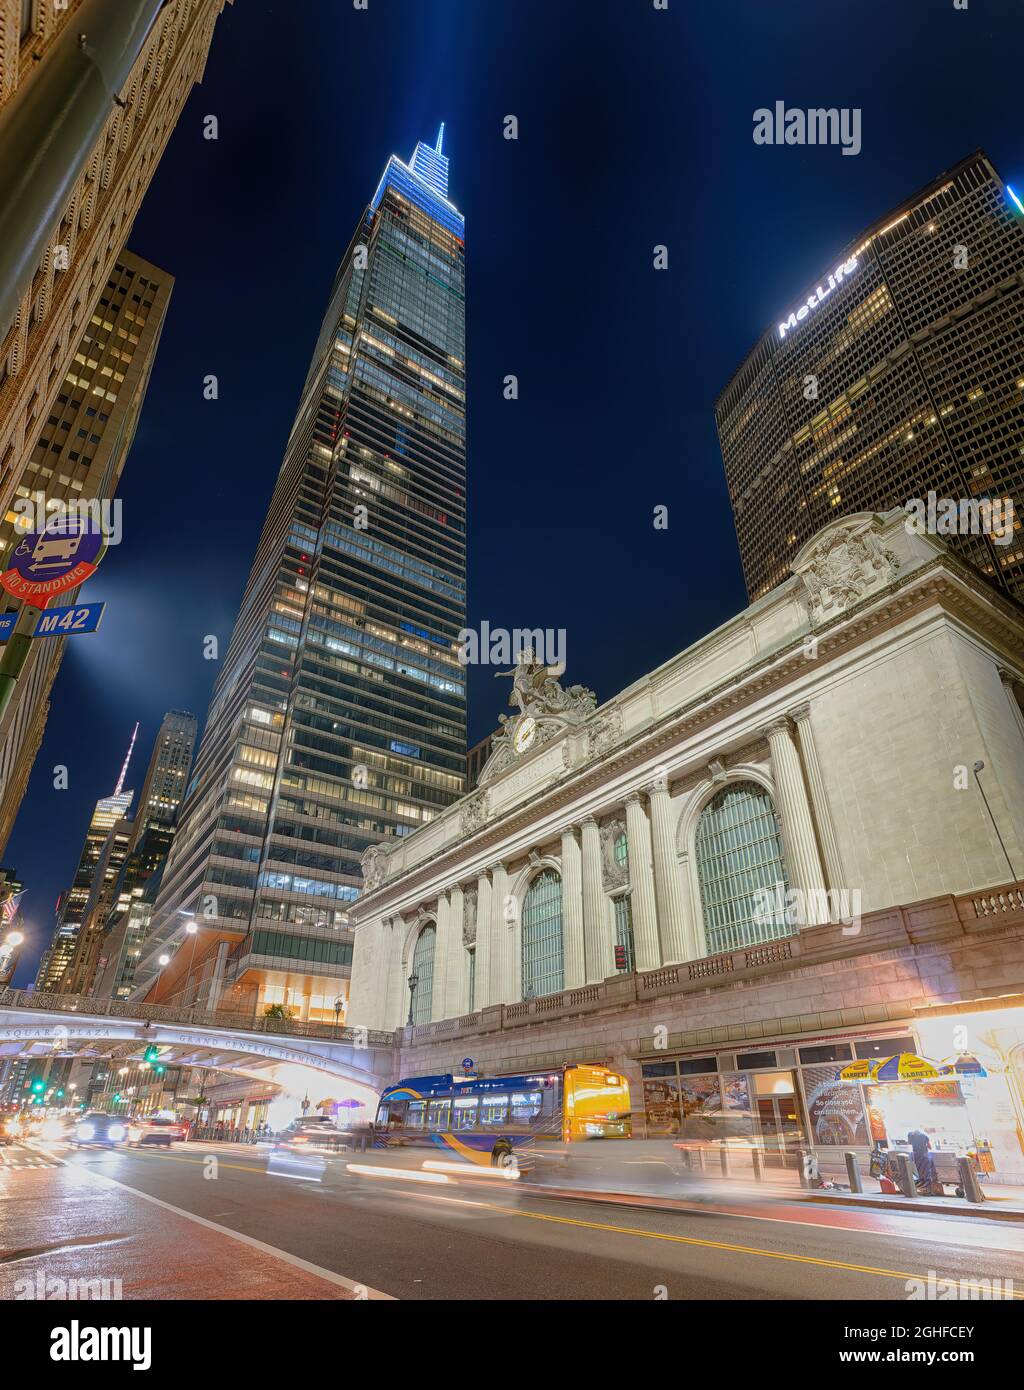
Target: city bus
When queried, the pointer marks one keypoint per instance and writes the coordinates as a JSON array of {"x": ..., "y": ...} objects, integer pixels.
[{"x": 492, "y": 1121}]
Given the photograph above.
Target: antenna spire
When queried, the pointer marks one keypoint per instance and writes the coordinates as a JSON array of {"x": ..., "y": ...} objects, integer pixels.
[
  {"x": 440, "y": 139},
  {"x": 124, "y": 768}
]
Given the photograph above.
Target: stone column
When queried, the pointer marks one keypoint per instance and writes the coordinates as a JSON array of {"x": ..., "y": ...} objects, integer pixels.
[
  {"x": 598, "y": 953},
  {"x": 442, "y": 949},
  {"x": 641, "y": 881},
  {"x": 573, "y": 957},
  {"x": 819, "y": 798},
  {"x": 1009, "y": 681},
  {"x": 673, "y": 918},
  {"x": 501, "y": 930},
  {"x": 803, "y": 860},
  {"x": 458, "y": 965},
  {"x": 483, "y": 941}
]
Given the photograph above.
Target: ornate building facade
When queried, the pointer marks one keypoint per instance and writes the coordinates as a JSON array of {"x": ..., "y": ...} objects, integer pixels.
[{"x": 772, "y": 850}]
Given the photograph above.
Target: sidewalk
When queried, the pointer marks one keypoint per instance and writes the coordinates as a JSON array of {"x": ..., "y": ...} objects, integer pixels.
[{"x": 66, "y": 1232}]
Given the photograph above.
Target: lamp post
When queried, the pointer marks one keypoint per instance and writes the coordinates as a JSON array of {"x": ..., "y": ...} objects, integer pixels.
[
  {"x": 339, "y": 1004},
  {"x": 414, "y": 980},
  {"x": 193, "y": 932},
  {"x": 978, "y": 767}
]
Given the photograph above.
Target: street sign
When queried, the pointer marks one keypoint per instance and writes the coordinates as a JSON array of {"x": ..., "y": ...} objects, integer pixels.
[
  {"x": 7, "y": 622},
  {"x": 467, "y": 1064},
  {"x": 47, "y": 563},
  {"x": 60, "y": 622}
]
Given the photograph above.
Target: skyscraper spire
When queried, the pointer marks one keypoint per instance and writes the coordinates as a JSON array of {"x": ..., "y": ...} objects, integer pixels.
[
  {"x": 429, "y": 164},
  {"x": 124, "y": 769}
]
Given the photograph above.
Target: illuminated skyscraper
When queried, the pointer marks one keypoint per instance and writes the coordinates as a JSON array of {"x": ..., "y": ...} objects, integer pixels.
[
  {"x": 901, "y": 372},
  {"x": 338, "y": 718},
  {"x": 109, "y": 813}
]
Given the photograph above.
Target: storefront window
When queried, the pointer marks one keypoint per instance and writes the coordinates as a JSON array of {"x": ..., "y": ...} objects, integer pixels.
[{"x": 835, "y": 1109}]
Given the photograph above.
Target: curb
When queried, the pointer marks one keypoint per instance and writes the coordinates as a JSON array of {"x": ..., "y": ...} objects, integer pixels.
[
  {"x": 656, "y": 1203},
  {"x": 886, "y": 1203}
]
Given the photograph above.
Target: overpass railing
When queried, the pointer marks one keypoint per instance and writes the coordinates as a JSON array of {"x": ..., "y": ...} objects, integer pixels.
[{"x": 166, "y": 1013}]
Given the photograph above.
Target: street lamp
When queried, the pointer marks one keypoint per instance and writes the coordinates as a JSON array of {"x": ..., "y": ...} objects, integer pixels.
[
  {"x": 339, "y": 1004},
  {"x": 414, "y": 980},
  {"x": 163, "y": 960},
  {"x": 978, "y": 768},
  {"x": 193, "y": 932}
]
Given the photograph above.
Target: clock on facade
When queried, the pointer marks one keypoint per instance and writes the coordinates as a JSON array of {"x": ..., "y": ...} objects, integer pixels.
[{"x": 525, "y": 733}]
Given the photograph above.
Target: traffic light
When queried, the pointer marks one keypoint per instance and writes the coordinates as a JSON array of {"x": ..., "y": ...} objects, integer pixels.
[
  {"x": 117, "y": 1097},
  {"x": 38, "y": 1086},
  {"x": 159, "y": 1070},
  {"x": 60, "y": 1093},
  {"x": 152, "y": 1053}
]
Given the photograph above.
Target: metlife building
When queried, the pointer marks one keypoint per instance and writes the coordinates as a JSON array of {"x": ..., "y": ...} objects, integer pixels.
[{"x": 900, "y": 373}]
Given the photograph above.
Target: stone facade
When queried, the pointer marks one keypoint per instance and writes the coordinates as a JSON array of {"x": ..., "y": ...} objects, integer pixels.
[{"x": 877, "y": 715}]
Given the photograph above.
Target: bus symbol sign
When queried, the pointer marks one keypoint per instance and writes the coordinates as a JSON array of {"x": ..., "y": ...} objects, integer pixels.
[{"x": 50, "y": 562}]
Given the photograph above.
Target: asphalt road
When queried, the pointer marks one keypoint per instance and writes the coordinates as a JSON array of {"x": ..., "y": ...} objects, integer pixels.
[{"x": 463, "y": 1238}]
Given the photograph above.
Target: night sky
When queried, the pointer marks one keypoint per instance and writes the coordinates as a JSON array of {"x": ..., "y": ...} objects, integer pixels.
[{"x": 635, "y": 129}]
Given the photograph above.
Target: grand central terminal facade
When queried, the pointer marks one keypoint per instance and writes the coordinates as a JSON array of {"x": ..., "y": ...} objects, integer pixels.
[{"x": 798, "y": 843}]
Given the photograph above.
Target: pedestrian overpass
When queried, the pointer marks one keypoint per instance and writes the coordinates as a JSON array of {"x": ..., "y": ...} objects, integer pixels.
[{"x": 317, "y": 1060}]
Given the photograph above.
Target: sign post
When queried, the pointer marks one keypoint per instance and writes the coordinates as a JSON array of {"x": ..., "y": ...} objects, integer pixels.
[{"x": 44, "y": 564}]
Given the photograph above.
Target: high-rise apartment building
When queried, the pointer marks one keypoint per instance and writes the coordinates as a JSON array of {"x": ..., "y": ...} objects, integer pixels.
[
  {"x": 339, "y": 717},
  {"x": 900, "y": 372},
  {"x": 79, "y": 456},
  {"x": 108, "y": 815}
]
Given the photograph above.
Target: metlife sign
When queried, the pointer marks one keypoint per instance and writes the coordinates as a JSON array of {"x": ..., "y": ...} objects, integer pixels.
[{"x": 841, "y": 272}]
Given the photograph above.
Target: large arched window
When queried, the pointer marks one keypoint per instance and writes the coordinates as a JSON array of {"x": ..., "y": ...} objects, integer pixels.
[
  {"x": 739, "y": 851},
  {"x": 423, "y": 969},
  {"x": 542, "y": 936}
]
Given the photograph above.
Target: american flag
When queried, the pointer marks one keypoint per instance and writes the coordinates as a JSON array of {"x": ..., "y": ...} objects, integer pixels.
[{"x": 10, "y": 907}]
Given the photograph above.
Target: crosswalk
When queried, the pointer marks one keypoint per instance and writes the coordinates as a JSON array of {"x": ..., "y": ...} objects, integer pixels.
[{"x": 16, "y": 1157}]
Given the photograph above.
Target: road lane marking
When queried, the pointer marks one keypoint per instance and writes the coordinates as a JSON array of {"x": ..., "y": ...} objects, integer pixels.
[
  {"x": 726, "y": 1246},
  {"x": 352, "y": 1285}
]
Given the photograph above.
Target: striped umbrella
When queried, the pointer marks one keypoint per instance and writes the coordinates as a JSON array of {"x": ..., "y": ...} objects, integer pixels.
[
  {"x": 905, "y": 1066},
  {"x": 857, "y": 1071},
  {"x": 965, "y": 1064}
]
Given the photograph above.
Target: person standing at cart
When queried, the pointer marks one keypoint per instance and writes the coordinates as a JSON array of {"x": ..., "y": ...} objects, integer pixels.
[{"x": 923, "y": 1161}]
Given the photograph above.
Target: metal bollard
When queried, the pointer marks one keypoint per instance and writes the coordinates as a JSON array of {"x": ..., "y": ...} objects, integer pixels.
[
  {"x": 905, "y": 1177},
  {"x": 723, "y": 1158},
  {"x": 757, "y": 1162},
  {"x": 969, "y": 1180},
  {"x": 853, "y": 1173}
]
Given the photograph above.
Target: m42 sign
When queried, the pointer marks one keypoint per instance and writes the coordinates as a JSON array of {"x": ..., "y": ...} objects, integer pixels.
[{"x": 59, "y": 622}]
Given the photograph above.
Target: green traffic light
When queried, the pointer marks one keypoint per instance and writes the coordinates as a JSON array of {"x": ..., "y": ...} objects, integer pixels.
[
  {"x": 117, "y": 1097},
  {"x": 152, "y": 1053}
]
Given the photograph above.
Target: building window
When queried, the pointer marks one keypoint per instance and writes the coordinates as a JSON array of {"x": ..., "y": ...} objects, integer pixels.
[
  {"x": 542, "y": 936},
  {"x": 621, "y": 850},
  {"x": 739, "y": 852},
  {"x": 423, "y": 969},
  {"x": 624, "y": 924}
]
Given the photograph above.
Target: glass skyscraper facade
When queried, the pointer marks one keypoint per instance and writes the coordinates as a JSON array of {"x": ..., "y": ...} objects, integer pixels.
[
  {"x": 900, "y": 373},
  {"x": 339, "y": 716}
]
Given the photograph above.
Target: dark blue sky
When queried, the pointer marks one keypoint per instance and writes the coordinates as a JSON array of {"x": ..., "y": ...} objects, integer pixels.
[{"x": 635, "y": 129}]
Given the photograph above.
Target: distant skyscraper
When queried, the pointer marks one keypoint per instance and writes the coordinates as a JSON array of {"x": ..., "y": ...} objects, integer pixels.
[
  {"x": 108, "y": 813},
  {"x": 120, "y": 935},
  {"x": 78, "y": 455},
  {"x": 339, "y": 717},
  {"x": 900, "y": 372}
]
